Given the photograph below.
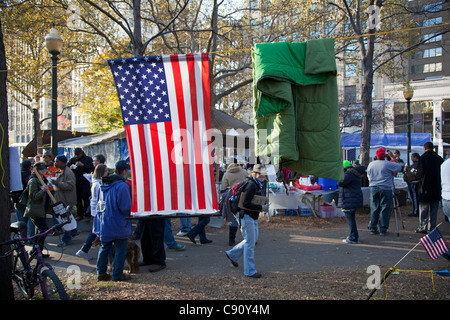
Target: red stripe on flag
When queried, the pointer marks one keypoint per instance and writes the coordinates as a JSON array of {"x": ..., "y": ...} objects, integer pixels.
[
  {"x": 207, "y": 112},
  {"x": 145, "y": 168},
  {"x": 196, "y": 134},
  {"x": 182, "y": 124},
  {"x": 156, "y": 151},
  {"x": 133, "y": 172},
  {"x": 172, "y": 166}
]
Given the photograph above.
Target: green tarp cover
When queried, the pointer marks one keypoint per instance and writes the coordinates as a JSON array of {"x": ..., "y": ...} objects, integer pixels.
[{"x": 296, "y": 106}]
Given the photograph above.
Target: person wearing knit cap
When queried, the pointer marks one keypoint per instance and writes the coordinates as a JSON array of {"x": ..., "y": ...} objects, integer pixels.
[
  {"x": 381, "y": 183},
  {"x": 65, "y": 192}
]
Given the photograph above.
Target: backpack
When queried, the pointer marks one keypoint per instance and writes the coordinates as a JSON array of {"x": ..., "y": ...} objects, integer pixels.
[{"x": 236, "y": 191}]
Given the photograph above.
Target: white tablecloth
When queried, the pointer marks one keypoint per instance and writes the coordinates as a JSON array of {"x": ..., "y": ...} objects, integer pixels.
[{"x": 281, "y": 200}]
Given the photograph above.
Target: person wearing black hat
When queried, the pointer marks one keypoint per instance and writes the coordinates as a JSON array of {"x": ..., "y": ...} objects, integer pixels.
[{"x": 81, "y": 164}]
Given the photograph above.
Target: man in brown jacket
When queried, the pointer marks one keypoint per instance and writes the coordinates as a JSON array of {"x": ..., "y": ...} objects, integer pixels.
[{"x": 65, "y": 191}]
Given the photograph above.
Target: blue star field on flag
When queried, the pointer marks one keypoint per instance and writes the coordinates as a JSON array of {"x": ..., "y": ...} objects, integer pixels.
[{"x": 142, "y": 89}]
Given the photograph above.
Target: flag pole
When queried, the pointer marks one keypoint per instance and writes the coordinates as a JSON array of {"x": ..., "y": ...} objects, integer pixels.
[{"x": 392, "y": 269}]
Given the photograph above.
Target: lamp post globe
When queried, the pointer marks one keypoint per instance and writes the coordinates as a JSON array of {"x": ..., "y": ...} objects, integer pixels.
[{"x": 408, "y": 93}]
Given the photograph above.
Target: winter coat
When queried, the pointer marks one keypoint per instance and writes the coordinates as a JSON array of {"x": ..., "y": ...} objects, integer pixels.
[
  {"x": 37, "y": 199},
  {"x": 66, "y": 190},
  {"x": 113, "y": 220},
  {"x": 234, "y": 174},
  {"x": 350, "y": 193},
  {"x": 410, "y": 173},
  {"x": 81, "y": 170},
  {"x": 296, "y": 106},
  {"x": 429, "y": 171},
  {"x": 251, "y": 189},
  {"x": 97, "y": 196}
]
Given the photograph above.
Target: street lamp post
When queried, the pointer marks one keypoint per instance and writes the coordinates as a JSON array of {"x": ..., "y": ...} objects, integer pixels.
[
  {"x": 408, "y": 94},
  {"x": 35, "y": 108},
  {"x": 54, "y": 43}
]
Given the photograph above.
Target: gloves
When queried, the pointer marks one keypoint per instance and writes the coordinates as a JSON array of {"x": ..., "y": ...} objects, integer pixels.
[{"x": 265, "y": 208}]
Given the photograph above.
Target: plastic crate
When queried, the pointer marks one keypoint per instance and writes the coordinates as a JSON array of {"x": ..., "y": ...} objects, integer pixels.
[
  {"x": 327, "y": 211},
  {"x": 305, "y": 212},
  {"x": 328, "y": 184}
]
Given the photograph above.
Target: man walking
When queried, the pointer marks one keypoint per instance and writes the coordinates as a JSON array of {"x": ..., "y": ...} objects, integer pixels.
[
  {"x": 381, "y": 183},
  {"x": 429, "y": 172}
]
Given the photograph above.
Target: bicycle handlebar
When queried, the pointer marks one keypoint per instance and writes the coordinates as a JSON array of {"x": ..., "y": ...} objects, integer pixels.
[{"x": 57, "y": 226}]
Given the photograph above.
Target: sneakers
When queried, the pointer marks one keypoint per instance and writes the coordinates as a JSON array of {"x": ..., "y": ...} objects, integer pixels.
[
  {"x": 84, "y": 255},
  {"x": 62, "y": 244},
  {"x": 234, "y": 263},
  {"x": 255, "y": 275},
  {"x": 347, "y": 240},
  {"x": 104, "y": 277},
  {"x": 123, "y": 277},
  {"x": 156, "y": 267},
  {"x": 181, "y": 234},
  {"x": 179, "y": 247}
]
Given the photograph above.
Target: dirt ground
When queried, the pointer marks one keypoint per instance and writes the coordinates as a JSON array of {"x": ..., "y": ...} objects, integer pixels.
[{"x": 300, "y": 258}]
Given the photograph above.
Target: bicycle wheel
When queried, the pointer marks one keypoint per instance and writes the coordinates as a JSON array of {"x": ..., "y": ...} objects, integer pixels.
[
  {"x": 23, "y": 278},
  {"x": 53, "y": 286}
]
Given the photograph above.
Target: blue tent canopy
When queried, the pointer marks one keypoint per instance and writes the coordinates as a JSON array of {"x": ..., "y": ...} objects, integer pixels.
[{"x": 385, "y": 139}]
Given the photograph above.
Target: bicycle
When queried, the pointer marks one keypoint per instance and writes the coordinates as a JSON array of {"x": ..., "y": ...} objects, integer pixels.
[{"x": 24, "y": 274}]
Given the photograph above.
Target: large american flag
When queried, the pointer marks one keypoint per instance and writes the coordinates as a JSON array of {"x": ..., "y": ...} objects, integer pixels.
[
  {"x": 166, "y": 114},
  {"x": 434, "y": 244}
]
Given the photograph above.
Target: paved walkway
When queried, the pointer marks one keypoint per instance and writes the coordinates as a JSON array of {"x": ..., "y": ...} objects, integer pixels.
[{"x": 290, "y": 249}]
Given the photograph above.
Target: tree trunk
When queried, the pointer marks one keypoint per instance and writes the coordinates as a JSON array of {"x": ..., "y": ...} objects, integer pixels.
[
  {"x": 6, "y": 289},
  {"x": 137, "y": 45}
]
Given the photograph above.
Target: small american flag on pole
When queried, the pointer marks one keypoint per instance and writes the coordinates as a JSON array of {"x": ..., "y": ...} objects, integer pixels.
[
  {"x": 166, "y": 114},
  {"x": 434, "y": 244}
]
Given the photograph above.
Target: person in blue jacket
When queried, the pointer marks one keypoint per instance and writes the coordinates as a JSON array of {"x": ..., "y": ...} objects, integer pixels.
[
  {"x": 351, "y": 197},
  {"x": 115, "y": 228}
]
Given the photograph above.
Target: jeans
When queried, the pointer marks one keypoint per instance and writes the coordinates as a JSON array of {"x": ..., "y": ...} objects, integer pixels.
[
  {"x": 249, "y": 229},
  {"x": 67, "y": 236},
  {"x": 185, "y": 224},
  {"x": 119, "y": 257},
  {"x": 414, "y": 193},
  {"x": 41, "y": 224},
  {"x": 199, "y": 229},
  {"x": 350, "y": 216},
  {"x": 168, "y": 235},
  {"x": 380, "y": 208},
  {"x": 428, "y": 215},
  {"x": 88, "y": 242},
  {"x": 20, "y": 209},
  {"x": 446, "y": 208}
]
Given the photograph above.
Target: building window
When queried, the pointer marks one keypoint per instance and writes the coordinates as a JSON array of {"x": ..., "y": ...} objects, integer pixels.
[
  {"x": 421, "y": 117},
  {"x": 433, "y": 7},
  {"x": 432, "y": 22},
  {"x": 432, "y": 67},
  {"x": 434, "y": 52},
  {"x": 350, "y": 93},
  {"x": 427, "y": 68},
  {"x": 350, "y": 70},
  {"x": 432, "y": 37}
]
